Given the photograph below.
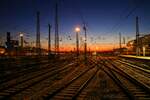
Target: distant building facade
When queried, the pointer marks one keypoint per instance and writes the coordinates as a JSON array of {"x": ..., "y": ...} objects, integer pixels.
[
  {"x": 144, "y": 45},
  {"x": 11, "y": 45}
]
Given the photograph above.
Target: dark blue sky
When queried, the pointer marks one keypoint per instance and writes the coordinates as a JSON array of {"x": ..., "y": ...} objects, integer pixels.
[{"x": 104, "y": 18}]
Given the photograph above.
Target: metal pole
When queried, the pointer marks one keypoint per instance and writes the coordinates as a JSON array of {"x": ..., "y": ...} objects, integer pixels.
[
  {"x": 120, "y": 42},
  {"x": 85, "y": 45},
  {"x": 56, "y": 30},
  {"x": 21, "y": 39},
  {"x": 22, "y": 51},
  {"x": 38, "y": 46},
  {"x": 137, "y": 37},
  {"x": 77, "y": 45},
  {"x": 49, "y": 39}
]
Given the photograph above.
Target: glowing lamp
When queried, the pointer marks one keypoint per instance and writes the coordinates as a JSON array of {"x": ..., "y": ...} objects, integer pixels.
[
  {"x": 77, "y": 29},
  {"x": 21, "y": 35}
]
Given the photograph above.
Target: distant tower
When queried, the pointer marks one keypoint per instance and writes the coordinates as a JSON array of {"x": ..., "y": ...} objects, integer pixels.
[
  {"x": 38, "y": 45},
  {"x": 56, "y": 30},
  {"x": 137, "y": 37}
]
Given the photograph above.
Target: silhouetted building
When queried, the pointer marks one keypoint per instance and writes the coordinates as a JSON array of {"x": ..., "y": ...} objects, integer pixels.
[
  {"x": 144, "y": 45},
  {"x": 11, "y": 45}
]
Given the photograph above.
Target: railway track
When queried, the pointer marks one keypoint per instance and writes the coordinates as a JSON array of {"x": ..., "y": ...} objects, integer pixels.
[
  {"x": 47, "y": 88},
  {"x": 29, "y": 68},
  {"x": 110, "y": 80},
  {"x": 134, "y": 62},
  {"x": 17, "y": 67},
  {"x": 20, "y": 70},
  {"x": 29, "y": 73},
  {"x": 137, "y": 72},
  {"x": 21, "y": 84},
  {"x": 102, "y": 87},
  {"x": 134, "y": 68},
  {"x": 72, "y": 91},
  {"x": 72, "y": 87},
  {"x": 140, "y": 66},
  {"x": 134, "y": 89}
]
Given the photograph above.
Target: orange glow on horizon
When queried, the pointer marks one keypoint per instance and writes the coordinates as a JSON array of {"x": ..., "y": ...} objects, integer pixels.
[{"x": 102, "y": 47}]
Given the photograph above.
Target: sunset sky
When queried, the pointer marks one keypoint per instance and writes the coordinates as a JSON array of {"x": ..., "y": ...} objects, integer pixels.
[{"x": 104, "y": 20}]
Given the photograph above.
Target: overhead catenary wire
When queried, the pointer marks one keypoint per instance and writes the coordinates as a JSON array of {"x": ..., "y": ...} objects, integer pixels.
[{"x": 122, "y": 17}]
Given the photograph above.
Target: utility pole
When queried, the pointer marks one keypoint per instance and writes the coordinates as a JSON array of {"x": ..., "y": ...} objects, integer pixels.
[
  {"x": 56, "y": 30},
  {"x": 77, "y": 44},
  {"x": 85, "y": 45},
  {"x": 77, "y": 30},
  {"x": 49, "y": 39},
  {"x": 120, "y": 46},
  {"x": 38, "y": 45},
  {"x": 137, "y": 37}
]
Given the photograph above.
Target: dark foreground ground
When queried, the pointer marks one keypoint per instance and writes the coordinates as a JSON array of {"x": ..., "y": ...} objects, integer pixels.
[{"x": 66, "y": 78}]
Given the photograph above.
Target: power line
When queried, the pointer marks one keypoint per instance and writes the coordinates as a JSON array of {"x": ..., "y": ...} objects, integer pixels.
[{"x": 129, "y": 13}]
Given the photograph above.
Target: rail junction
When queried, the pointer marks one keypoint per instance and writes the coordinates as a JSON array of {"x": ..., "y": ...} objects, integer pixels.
[{"x": 102, "y": 77}]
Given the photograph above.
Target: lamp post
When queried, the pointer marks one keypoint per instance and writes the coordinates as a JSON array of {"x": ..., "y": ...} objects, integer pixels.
[
  {"x": 21, "y": 39},
  {"x": 77, "y": 30},
  {"x": 21, "y": 42}
]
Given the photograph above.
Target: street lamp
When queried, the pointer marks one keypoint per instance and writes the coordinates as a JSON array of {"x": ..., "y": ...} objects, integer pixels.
[
  {"x": 21, "y": 41},
  {"x": 21, "y": 36},
  {"x": 77, "y": 30}
]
